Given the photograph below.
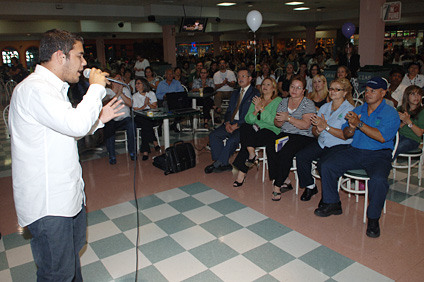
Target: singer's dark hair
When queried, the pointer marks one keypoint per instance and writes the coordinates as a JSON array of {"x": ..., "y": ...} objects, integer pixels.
[{"x": 54, "y": 40}]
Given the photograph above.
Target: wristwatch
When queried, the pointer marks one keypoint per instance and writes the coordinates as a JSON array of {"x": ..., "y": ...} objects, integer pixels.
[
  {"x": 360, "y": 124},
  {"x": 410, "y": 125},
  {"x": 327, "y": 128}
]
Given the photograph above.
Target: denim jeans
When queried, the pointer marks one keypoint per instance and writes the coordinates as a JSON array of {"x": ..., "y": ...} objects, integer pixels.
[
  {"x": 406, "y": 145},
  {"x": 55, "y": 244}
]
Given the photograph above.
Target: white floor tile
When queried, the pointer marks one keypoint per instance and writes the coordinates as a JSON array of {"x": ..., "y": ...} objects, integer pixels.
[
  {"x": 246, "y": 216},
  {"x": 119, "y": 210},
  {"x": 209, "y": 197},
  {"x": 87, "y": 255},
  {"x": 295, "y": 243},
  {"x": 172, "y": 195},
  {"x": 5, "y": 276},
  {"x": 124, "y": 263},
  {"x": 242, "y": 240},
  {"x": 148, "y": 233},
  {"x": 20, "y": 255},
  {"x": 358, "y": 272},
  {"x": 101, "y": 230},
  {"x": 238, "y": 269},
  {"x": 202, "y": 214},
  {"x": 180, "y": 267},
  {"x": 160, "y": 212},
  {"x": 414, "y": 202},
  {"x": 298, "y": 271},
  {"x": 192, "y": 237}
]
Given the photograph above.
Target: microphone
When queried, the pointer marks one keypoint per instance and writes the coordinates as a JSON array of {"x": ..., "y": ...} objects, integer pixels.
[{"x": 86, "y": 74}]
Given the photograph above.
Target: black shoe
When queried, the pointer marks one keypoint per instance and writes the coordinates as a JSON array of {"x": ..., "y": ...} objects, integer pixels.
[
  {"x": 209, "y": 168},
  {"x": 373, "y": 229},
  {"x": 223, "y": 168},
  {"x": 251, "y": 162},
  {"x": 321, "y": 203},
  {"x": 308, "y": 193},
  {"x": 286, "y": 187},
  {"x": 133, "y": 157},
  {"x": 112, "y": 161},
  {"x": 175, "y": 127},
  {"x": 145, "y": 157},
  {"x": 239, "y": 184},
  {"x": 329, "y": 209},
  {"x": 157, "y": 148}
]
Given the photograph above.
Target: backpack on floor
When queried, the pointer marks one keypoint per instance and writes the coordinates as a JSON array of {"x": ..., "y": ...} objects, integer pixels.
[{"x": 179, "y": 157}]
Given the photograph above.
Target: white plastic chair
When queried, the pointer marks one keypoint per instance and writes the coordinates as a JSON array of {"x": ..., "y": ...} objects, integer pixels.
[
  {"x": 6, "y": 119},
  {"x": 358, "y": 175},
  {"x": 412, "y": 162},
  {"x": 10, "y": 85},
  {"x": 123, "y": 139}
]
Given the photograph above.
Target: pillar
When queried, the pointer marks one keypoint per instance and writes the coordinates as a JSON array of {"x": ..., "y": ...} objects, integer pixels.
[
  {"x": 371, "y": 32},
  {"x": 310, "y": 39},
  {"x": 216, "y": 45},
  {"x": 100, "y": 47},
  {"x": 169, "y": 45}
]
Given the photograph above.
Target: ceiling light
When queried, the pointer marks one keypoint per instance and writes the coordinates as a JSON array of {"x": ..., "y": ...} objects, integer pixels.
[
  {"x": 226, "y": 4},
  {"x": 301, "y": 8},
  {"x": 294, "y": 3}
]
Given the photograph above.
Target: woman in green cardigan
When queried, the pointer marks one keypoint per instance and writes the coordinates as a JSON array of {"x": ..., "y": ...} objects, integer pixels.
[{"x": 258, "y": 129}]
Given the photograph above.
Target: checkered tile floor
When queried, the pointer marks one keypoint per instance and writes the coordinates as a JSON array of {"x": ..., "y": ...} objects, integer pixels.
[{"x": 192, "y": 233}]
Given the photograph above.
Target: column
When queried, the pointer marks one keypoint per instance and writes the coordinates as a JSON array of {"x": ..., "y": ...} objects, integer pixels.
[
  {"x": 216, "y": 44},
  {"x": 100, "y": 47},
  {"x": 371, "y": 32},
  {"x": 169, "y": 45},
  {"x": 310, "y": 39}
]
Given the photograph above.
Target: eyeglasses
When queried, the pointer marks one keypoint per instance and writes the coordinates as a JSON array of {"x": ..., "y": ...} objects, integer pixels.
[
  {"x": 296, "y": 88},
  {"x": 335, "y": 89}
]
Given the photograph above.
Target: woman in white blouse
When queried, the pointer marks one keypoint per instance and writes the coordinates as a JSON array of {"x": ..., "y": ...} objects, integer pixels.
[{"x": 145, "y": 99}]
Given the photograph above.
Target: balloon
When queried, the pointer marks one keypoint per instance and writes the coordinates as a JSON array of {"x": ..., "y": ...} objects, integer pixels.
[
  {"x": 254, "y": 20},
  {"x": 348, "y": 29}
]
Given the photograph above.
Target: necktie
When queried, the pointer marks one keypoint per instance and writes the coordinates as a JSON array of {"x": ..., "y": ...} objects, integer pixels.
[{"x": 238, "y": 105}]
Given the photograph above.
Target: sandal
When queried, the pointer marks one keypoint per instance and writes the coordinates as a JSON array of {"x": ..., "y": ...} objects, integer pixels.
[
  {"x": 239, "y": 184},
  {"x": 251, "y": 162},
  {"x": 274, "y": 195}
]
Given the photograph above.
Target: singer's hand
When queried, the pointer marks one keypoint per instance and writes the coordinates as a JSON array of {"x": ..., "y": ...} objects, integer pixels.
[
  {"x": 98, "y": 77},
  {"x": 111, "y": 109}
]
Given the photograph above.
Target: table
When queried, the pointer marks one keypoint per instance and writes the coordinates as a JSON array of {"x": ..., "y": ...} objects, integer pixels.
[{"x": 162, "y": 114}]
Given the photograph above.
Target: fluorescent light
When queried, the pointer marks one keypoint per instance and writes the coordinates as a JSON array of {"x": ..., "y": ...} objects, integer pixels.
[
  {"x": 294, "y": 3},
  {"x": 226, "y": 4},
  {"x": 301, "y": 8}
]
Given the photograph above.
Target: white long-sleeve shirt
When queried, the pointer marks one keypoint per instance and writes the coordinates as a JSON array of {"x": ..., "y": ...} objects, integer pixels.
[{"x": 47, "y": 176}]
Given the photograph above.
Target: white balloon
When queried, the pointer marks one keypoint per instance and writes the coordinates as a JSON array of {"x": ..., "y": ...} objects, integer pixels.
[{"x": 254, "y": 20}]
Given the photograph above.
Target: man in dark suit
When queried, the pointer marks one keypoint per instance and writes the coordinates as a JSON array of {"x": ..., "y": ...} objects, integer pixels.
[{"x": 239, "y": 105}]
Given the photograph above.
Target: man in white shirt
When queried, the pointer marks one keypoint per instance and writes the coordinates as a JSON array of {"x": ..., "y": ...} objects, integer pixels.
[
  {"x": 48, "y": 188},
  {"x": 413, "y": 77},
  {"x": 140, "y": 65},
  {"x": 225, "y": 81}
]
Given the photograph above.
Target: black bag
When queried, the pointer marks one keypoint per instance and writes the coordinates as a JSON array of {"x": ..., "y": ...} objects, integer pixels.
[{"x": 179, "y": 157}]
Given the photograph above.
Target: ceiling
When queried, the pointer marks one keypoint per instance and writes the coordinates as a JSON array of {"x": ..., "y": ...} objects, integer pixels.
[{"x": 94, "y": 18}]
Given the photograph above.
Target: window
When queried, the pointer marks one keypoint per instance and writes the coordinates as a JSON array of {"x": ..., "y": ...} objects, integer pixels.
[
  {"x": 8, "y": 54},
  {"x": 31, "y": 57}
]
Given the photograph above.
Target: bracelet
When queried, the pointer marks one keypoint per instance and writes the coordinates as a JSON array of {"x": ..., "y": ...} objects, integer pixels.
[{"x": 288, "y": 119}]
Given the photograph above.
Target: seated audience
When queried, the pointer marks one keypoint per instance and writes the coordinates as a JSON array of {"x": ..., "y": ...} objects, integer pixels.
[
  {"x": 411, "y": 115},
  {"x": 413, "y": 77},
  {"x": 265, "y": 73},
  {"x": 151, "y": 78},
  {"x": 203, "y": 82},
  {"x": 119, "y": 123},
  {"x": 313, "y": 71},
  {"x": 168, "y": 85},
  {"x": 179, "y": 77},
  {"x": 234, "y": 116},
  {"x": 396, "y": 89},
  {"x": 225, "y": 81},
  {"x": 284, "y": 80},
  {"x": 128, "y": 79},
  {"x": 319, "y": 95},
  {"x": 294, "y": 120},
  {"x": 327, "y": 127},
  {"x": 259, "y": 128},
  {"x": 145, "y": 99},
  {"x": 373, "y": 127}
]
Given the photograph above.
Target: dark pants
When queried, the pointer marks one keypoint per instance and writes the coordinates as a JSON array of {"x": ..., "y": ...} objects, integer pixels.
[
  {"x": 406, "y": 145},
  {"x": 279, "y": 163},
  {"x": 147, "y": 132},
  {"x": 221, "y": 153},
  {"x": 377, "y": 165},
  {"x": 207, "y": 104},
  {"x": 305, "y": 157},
  {"x": 251, "y": 138},
  {"x": 56, "y": 242},
  {"x": 111, "y": 127}
]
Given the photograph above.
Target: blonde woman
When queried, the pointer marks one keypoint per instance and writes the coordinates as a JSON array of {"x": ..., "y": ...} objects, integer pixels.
[{"x": 319, "y": 94}]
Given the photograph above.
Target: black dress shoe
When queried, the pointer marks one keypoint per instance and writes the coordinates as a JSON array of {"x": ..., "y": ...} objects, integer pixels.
[
  {"x": 308, "y": 193},
  {"x": 223, "y": 168},
  {"x": 209, "y": 168},
  {"x": 373, "y": 229},
  {"x": 329, "y": 209}
]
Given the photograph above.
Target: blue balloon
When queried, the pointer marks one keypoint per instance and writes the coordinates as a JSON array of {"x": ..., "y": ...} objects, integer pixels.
[{"x": 348, "y": 29}]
